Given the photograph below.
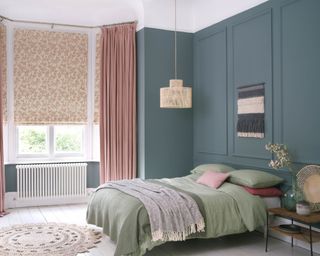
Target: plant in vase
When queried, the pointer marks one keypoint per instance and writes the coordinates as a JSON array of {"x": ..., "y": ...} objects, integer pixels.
[{"x": 283, "y": 160}]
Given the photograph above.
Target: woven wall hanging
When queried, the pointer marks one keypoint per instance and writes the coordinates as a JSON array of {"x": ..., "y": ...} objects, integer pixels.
[{"x": 251, "y": 111}]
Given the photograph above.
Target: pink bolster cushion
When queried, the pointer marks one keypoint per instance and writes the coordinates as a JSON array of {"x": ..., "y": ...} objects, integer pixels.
[
  {"x": 212, "y": 179},
  {"x": 264, "y": 192}
]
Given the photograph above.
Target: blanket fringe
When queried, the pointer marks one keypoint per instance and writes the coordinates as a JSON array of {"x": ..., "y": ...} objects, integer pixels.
[{"x": 177, "y": 235}]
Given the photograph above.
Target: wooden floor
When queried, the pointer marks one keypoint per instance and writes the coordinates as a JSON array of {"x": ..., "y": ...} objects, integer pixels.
[{"x": 249, "y": 244}]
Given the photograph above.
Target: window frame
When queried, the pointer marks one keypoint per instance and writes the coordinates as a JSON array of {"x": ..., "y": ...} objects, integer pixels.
[
  {"x": 90, "y": 152},
  {"x": 11, "y": 155},
  {"x": 51, "y": 154}
]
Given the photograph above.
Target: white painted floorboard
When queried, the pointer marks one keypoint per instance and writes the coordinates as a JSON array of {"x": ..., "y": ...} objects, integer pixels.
[{"x": 248, "y": 244}]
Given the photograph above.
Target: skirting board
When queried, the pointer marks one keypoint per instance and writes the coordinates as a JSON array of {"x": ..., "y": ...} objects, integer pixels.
[{"x": 11, "y": 200}]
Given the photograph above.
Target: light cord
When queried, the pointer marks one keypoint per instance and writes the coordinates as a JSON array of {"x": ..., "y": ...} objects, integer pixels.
[{"x": 175, "y": 39}]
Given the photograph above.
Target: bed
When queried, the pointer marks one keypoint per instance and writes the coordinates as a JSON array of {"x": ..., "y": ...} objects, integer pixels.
[
  {"x": 272, "y": 202},
  {"x": 226, "y": 210}
]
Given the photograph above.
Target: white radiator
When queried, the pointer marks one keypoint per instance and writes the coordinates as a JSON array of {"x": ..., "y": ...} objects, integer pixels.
[{"x": 49, "y": 184}]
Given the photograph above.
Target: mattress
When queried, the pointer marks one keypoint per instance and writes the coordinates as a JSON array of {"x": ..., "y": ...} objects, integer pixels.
[{"x": 272, "y": 202}]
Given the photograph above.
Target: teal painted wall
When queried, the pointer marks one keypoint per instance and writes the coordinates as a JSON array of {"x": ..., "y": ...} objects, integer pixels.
[
  {"x": 11, "y": 176},
  {"x": 165, "y": 135},
  {"x": 276, "y": 43}
]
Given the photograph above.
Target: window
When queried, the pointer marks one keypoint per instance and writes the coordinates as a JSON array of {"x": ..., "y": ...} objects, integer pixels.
[
  {"x": 68, "y": 139},
  {"x": 52, "y": 95},
  {"x": 32, "y": 140},
  {"x": 50, "y": 141}
]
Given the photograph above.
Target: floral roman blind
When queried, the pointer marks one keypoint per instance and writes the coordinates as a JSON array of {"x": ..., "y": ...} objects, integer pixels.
[
  {"x": 3, "y": 67},
  {"x": 50, "y": 77},
  {"x": 97, "y": 80}
]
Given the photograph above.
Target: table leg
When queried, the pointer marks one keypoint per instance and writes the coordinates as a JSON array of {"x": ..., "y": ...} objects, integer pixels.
[
  {"x": 267, "y": 232},
  {"x": 311, "y": 249},
  {"x": 292, "y": 236}
]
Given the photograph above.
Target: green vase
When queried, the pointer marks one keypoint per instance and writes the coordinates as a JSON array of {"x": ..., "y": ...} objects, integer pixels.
[
  {"x": 289, "y": 200},
  {"x": 292, "y": 195}
]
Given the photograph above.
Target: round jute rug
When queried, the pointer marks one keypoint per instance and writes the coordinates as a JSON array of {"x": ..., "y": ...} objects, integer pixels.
[{"x": 47, "y": 240}]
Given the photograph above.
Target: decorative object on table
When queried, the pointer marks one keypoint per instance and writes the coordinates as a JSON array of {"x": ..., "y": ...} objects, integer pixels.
[
  {"x": 283, "y": 160},
  {"x": 251, "y": 111},
  {"x": 175, "y": 96},
  {"x": 50, "y": 239},
  {"x": 308, "y": 180},
  {"x": 289, "y": 199},
  {"x": 290, "y": 228},
  {"x": 303, "y": 208}
]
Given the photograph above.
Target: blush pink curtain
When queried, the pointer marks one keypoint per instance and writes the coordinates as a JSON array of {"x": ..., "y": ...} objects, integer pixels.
[
  {"x": 2, "y": 180},
  {"x": 118, "y": 103}
]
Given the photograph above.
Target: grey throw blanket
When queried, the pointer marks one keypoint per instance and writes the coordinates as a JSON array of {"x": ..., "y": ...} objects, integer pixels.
[{"x": 173, "y": 215}]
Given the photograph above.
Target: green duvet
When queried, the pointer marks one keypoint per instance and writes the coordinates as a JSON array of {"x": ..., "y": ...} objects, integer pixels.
[{"x": 227, "y": 210}]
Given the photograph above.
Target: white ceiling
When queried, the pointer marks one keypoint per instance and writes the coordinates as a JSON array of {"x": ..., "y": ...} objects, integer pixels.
[
  {"x": 208, "y": 12},
  {"x": 192, "y": 15}
]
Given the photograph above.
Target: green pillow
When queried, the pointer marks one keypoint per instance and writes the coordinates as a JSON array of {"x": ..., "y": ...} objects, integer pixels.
[
  {"x": 254, "y": 179},
  {"x": 212, "y": 167}
]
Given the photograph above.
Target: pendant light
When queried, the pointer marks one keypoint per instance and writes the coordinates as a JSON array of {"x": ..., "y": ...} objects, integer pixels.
[{"x": 175, "y": 96}]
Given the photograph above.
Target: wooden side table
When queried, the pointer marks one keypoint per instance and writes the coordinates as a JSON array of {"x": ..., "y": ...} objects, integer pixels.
[{"x": 306, "y": 235}]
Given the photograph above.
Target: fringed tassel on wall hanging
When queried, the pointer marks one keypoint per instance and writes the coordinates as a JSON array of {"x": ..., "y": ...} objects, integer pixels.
[{"x": 251, "y": 111}]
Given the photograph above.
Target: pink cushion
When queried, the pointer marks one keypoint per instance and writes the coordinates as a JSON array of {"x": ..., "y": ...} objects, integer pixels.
[
  {"x": 264, "y": 192},
  {"x": 212, "y": 179}
]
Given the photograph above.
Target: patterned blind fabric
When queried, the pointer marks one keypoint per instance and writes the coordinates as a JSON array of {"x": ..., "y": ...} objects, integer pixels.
[
  {"x": 97, "y": 80},
  {"x": 50, "y": 77},
  {"x": 3, "y": 67}
]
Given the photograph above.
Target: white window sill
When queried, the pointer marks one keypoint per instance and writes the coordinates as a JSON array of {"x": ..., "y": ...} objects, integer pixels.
[{"x": 50, "y": 161}]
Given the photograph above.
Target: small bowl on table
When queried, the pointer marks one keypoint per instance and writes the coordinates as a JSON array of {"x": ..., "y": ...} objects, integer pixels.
[{"x": 303, "y": 208}]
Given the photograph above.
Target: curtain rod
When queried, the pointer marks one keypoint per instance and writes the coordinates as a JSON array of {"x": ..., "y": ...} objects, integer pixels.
[{"x": 62, "y": 24}]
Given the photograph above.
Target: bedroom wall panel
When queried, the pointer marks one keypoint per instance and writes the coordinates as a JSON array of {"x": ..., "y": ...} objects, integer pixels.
[
  {"x": 210, "y": 94},
  {"x": 300, "y": 78},
  {"x": 276, "y": 43},
  {"x": 252, "y": 64}
]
